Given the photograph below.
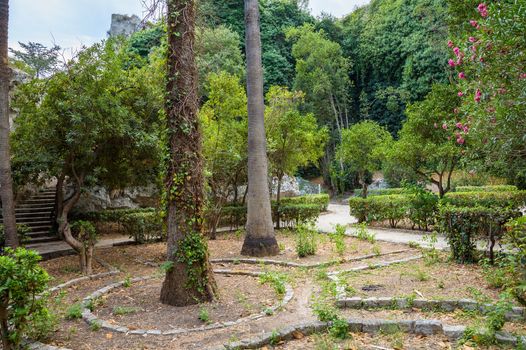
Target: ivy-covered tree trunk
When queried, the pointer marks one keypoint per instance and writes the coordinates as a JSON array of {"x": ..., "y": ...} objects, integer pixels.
[
  {"x": 260, "y": 239},
  {"x": 189, "y": 279},
  {"x": 6, "y": 180}
]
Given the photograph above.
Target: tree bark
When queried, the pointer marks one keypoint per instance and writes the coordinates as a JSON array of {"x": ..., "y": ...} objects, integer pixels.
[
  {"x": 6, "y": 179},
  {"x": 190, "y": 279},
  {"x": 260, "y": 239}
]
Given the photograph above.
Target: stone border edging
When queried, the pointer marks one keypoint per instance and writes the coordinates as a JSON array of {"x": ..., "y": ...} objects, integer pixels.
[
  {"x": 90, "y": 318},
  {"x": 417, "y": 327},
  {"x": 112, "y": 271},
  {"x": 448, "y": 305},
  {"x": 308, "y": 266}
]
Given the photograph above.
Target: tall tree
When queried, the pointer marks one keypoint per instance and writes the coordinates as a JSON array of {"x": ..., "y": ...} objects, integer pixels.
[
  {"x": 260, "y": 239},
  {"x": 6, "y": 180},
  {"x": 189, "y": 279},
  {"x": 41, "y": 60}
]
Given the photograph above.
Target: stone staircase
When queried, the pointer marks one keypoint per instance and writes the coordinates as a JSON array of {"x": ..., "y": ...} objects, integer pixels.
[{"x": 36, "y": 212}]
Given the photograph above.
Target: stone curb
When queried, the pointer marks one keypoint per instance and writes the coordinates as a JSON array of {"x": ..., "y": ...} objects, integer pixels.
[
  {"x": 417, "y": 327},
  {"x": 90, "y": 318},
  {"x": 340, "y": 289},
  {"x": 448, "y": 305},
  {"x": 308, "y": 266},
  {"x": 112, "y": 271}
]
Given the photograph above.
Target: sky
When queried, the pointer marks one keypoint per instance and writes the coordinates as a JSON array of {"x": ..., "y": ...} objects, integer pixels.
[{"x": 73, "y": 23}]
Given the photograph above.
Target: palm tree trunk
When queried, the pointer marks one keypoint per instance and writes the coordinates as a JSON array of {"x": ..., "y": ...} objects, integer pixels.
[
  {"x": 6, "y": 180},
  {"x": 189, "y": 280},
  {"x": 260, "y": 239}
]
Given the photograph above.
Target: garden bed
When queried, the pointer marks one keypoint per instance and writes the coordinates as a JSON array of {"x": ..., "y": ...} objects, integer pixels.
[{"x": 431, "y": 281}]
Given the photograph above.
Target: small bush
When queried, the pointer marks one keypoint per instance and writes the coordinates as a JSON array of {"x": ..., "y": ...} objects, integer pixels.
[
  {"x": 124, "y": 310},
  {"x": 74, "y": 312},
  {"x": 22, "y": 231},
  {"x": 391, "y": 208},
  {"x": 21, "y": 281},
  {"x": 380, "y": 191},
  {"x": 204, "y": 316},
  {"x": 422, "y": 207},
  {"x": 306, "y": 236},
  {"x": 144, "y": 227},
  {"x": 277, "y": 281},
  {"x": 515, "y": 264},
  {"x": 322, "y": 200},
  {"x": 364, "y": 235},
  {"x": 464, "y": 225},
  {"x": 338, "y": 238}
]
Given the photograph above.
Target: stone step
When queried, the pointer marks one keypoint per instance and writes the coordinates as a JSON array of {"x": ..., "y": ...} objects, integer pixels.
[
  {"x": 43, "y": 239},
  {"x": 35, "y": 234},
  {"x": 39, "y": 208},
  {"x": 44, "y": 219},
  {"x": 32, "y": 202},
  {"x": 39, "y": 227},
  {"x": 31, "y": 214}
]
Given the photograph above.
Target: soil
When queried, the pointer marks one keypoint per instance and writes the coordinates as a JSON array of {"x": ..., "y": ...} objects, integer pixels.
[
  {"x": 67, "y": 268},
  {"x": 228, "y": 245},
  {"x": 242, "y": 295},
  {"x": 360, "y": 341},
  {"x": 435, "y": 281},
  {"x": 135, "y": 308}
]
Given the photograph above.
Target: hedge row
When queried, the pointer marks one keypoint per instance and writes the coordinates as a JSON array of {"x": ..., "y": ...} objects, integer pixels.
[
  {"x": 421, "y": 208},
  {"x": 380, "y": 191},
  {"x": 492, "y": 188},
  {"x": 511, "y": 199},
  {"x": 463, "y": 226},
  {"x": 290, "y": 215},
  {"x": 321, "y": 200}
]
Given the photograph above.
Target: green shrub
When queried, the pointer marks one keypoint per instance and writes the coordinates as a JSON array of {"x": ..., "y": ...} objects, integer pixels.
[
  {"x": 422, "y": 207},
  {"x": 338, "y": 238},
  {"x": 277, "y": 281},
  {"x": 322, "y": 200},
  {"x": 22, "y": 280},
  {"x": 297, "y": 214},
  {"x": 110, "y": 215},
  {"x": 291, "y": 215},
  {"x": 512, "y": 200},
  {"x": 306, "y": 236},
  {"x": 493, "y": 188},
  {"x": 380, "y": 191},
  {"x": 144, "y": 227},
  {"x": 391, "y": 208},
  {"x": 74, "y": 312},
  {"x": 464, "y": 225},
  {"x": 364, "y": 235},
  {"x": 515, "y": 264},
  {"x": 22, "y": 231}
]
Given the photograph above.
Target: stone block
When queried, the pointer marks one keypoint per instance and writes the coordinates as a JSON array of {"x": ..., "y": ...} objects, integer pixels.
[{"x": 428, "y": 327}]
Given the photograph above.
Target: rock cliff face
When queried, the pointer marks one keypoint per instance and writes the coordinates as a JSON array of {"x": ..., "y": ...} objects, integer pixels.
[
  {"x": 98, "y": 198},
  {"x": 124, "y": 25}
]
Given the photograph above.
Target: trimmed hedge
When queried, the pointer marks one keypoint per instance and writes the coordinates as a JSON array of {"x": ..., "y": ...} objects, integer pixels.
[
  {"x": 319, "y": 199},
  {"x": 110, "y": 215},
  {"x": 492, "y": 188},
  {"x": 380, "y": 191},
  {"x": 291, "y": 215},
  {"x": 513, "y": 200},
  {"x": 464, "y": 225},
  {"x": 144, "y": 227},
  {"x": 392, "y": 208}
]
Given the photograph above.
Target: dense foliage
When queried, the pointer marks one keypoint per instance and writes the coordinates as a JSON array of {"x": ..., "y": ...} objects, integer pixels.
[{"x": 22, "y": 309}]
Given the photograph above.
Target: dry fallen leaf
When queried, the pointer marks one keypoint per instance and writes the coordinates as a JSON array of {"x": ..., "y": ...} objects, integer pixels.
[
  {"x": 297, "y": 335},
  {"x": 109, "y": 335}
]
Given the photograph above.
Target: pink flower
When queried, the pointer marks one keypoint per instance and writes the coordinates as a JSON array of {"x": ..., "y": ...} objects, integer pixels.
[
  {"x": 456, "y": 50},
  {"x": 450, "y": 43},
  {"x": 523, "y": 75},
  {"x": 455, "y": 110},
  {"x": 460, "y": 94},
  {"x": 472, "y": 39},
  {"x": 451, "y": 63},
  {"x": 461, "y": 75},
  {"x": 459, "y": 125},
  {"x": 460, "y": 140},
  {"x": 436, "y": 126},
  {"x": 473, "y": 23},
  {"x": 478, "y": 95},
  {"x": 474, "y": 48},
  {"x": 483, "y": 9},
  {"x": 449, "y": 138},
  {"x": 481, "y": 59},
  {"x": 444, "y": 126},
  {"x": 466, "y": 129},
  {"x": 459, "y": 61}
]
